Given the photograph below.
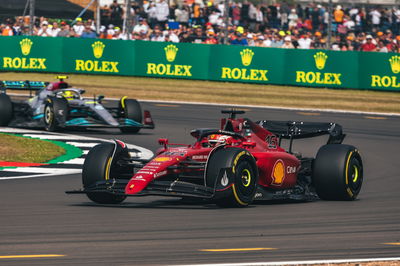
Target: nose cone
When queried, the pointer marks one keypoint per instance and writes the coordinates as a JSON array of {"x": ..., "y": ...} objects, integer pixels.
[
  {"x": 156, "y": 168},
  {"x": 137, "y": 184}
]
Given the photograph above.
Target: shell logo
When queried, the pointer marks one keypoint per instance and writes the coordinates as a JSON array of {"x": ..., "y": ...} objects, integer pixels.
[
  {"x": 162, "y": 159},
  {"x": 278, "y": 173}
]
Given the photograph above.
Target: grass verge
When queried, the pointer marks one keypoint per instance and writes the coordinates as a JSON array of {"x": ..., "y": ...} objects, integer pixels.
[
  {"x": 27, "y": 150},
  {"x": 225, "y": 92}
]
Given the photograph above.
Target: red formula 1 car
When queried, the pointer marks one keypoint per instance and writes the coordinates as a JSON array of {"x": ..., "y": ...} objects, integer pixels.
[{"x": 232, "y": 166}]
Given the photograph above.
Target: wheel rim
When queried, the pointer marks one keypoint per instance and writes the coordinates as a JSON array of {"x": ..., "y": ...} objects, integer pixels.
[
  {"x": 48, "y": 115},
  {"x": 246, "y": 177},
  {"x": 355, "y": 175}
]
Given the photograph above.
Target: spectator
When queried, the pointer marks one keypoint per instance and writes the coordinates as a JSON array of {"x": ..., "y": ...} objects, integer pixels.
[
  {"x": 369, "y": 46},
  {"x": 142, "y": 27},
  {"x": 338, "y": 14},
  {"x": 287, "y": 43},
  {"x": 239, "y": 39},
  {"x": 156, "y": 35},
  {"x": 182, "y": 15},
  {"x": 44, "y": 30},
  {"x": 65, "y": 30},
  {"x": 198, "y": 36},
  {"x": 375, "y": 18},
  {"x": 116, "y": 13},
  {"x": 262, "y": 25},
  {"x": 162, "y": 12},
  {"x": 105, "y": 15},
  {"x": 150, "y": 10},
  {"x": 304, "y": 42},
  {"x": 54, "y": 30},
  {"x": 78, "y": 27},
  {"x": 381, "y": 47},
  {"x": 260, "y": 41},
  {"x": 293, "y": 18},
  {"x": 88, "y": 33},
  {"x": 6, "y": 30}
]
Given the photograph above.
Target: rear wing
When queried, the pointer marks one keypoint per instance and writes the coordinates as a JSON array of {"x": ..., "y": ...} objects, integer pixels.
[
  {"x": 22, "y": 85},
  {"x": 300, "y": 130}
]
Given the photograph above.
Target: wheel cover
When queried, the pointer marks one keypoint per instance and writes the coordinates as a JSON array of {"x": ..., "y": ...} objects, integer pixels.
[
  {"x": 354, "y": 174},
  {"x": 246, "y": 177},
  {"x": 48, "y": 115}
]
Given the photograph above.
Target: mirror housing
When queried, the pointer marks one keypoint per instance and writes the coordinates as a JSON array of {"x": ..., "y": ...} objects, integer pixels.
[
  {"x": 163, "y": 142},
  {"x": 100, "y": 98}
]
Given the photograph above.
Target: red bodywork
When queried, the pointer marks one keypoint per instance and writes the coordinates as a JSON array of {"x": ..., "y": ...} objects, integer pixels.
[{"x": 277, "y": 168}]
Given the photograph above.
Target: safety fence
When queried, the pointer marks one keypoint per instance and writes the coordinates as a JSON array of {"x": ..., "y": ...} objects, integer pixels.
[{"x": 314, "y": 68}]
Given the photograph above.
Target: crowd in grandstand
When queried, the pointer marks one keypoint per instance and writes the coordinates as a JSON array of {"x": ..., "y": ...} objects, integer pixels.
[{"x": 279, "y": 25}]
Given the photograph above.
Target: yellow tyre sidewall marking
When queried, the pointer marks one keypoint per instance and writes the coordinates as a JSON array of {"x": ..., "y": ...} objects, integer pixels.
[
  {"x": 238, "y": 200},
  {"x": 107, "y": 173},
  {"x": 347, "y": 174},
  {"x": 123, "y": 101}
]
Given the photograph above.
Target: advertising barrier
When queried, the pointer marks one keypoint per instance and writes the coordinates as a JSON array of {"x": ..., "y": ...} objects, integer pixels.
[
  {"x": 31, "y": 54},
  {"x": 313, "y": 68}
]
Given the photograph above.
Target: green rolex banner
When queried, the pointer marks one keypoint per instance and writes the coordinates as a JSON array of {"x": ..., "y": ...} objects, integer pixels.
[
  {"x": 321, "y": 68},
  {"x": 380, "y": 71},
  {"x": 23, "y": 53},
  {"x": 313, "y": 68},
  {"x": 98, "y": 56},
  {"x": 246, "y": 64},
  {"x": 173, "y": 60}
]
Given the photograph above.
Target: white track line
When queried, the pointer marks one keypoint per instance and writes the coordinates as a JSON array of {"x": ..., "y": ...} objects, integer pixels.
[
  {"x": 74, "y": 161},
  {"x": 255, "y": 106},
  {"x": 52, "y": 137},
  {"x": 82, "y": 144},
  {"x": 39, "y": 170},
  {"x": 305, "y": 262},
  {"x": 271, "y": 107}
]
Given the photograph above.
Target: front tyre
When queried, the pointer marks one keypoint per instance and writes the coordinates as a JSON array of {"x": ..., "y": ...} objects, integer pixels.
[
  {"x": 131, "y": 109},
  {"x": 97, "y": 167},
  {"x": 338, "y": 172},
  {"x": 233, "y": 173}
]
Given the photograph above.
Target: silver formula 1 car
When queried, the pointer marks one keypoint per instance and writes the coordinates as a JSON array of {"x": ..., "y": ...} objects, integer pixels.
[{"x": 55, "y": 106}]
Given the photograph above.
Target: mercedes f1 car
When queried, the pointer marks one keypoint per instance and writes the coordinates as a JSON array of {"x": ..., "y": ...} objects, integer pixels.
[
  {"x": 55, "y": 106},
  {"x": 232, "y": 166}
]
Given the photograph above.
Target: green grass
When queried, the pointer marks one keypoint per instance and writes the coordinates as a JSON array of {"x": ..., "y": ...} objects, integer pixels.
[
  {"x": 225, "y": 92},
  {"x": 20, "y": 149}
]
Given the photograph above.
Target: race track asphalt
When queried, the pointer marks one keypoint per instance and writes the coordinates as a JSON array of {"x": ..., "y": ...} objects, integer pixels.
[{"x": 38, "y": 218}]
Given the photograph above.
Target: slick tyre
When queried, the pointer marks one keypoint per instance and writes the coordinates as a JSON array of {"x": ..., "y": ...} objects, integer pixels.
[
  {"x": 233, "y": 173},
  {"x": 97, "y": 167},
  {"x": 338, "y": 172},
  {"x": 131, "y": 109},
  {"x": 55, "y": 113},
  {"x": 6, "y": 109}
]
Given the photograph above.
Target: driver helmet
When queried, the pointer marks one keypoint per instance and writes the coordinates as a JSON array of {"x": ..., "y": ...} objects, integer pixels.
[
  {"x": 69, "y": 95},
  {"x": 218, "y": 139}
]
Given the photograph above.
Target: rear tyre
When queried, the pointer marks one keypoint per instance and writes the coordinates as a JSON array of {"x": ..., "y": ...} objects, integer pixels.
[
  {"x": 233, "y": 173},
  {"x": 338, "y": 172},
  {"x": 6, "y": 109},
  {"x": 55, "y": 113},
  {"x": 97, "y": 167},
  {"x": 131, "y": 109}
]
